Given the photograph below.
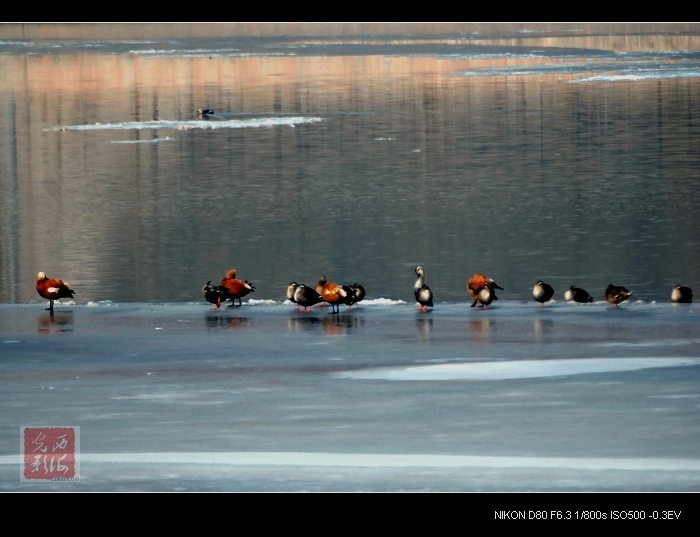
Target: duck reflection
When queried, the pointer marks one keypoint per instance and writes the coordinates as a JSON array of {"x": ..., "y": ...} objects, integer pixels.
[
  {"x": 303, "y": 324},
  {"x": 336, "y": 325},
  {"x": 542, "y": 328},
  {"x": 226, "y": 321},
  {"x": 480, "y": 330},
  {"x": 55, "y": 322},
  {"x": 425, "y": 327}
]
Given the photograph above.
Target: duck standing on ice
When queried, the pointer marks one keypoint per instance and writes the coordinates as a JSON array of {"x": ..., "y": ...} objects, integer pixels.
[
  {"x": 682, "y": 294},
  {"x": 576, "y": 294},
  {"x": 52, "y": 289},
  {"x": 477, "y": 282},
  {"x": 424, "y": 295},
  {"x": 542, "y": 292},
  {"x": 616, "y": 294}
]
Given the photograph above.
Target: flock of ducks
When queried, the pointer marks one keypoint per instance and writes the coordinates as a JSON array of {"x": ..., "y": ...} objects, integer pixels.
[
  {"x": 481, "y": 288},
  {"x": 303, "y": 296},
  {"x": 325, "y": 292}
]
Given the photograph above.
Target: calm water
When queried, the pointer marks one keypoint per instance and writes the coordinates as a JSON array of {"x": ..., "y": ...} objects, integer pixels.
[
  {"x": 358, "y": 152},
  {"x": 569, "y": 157}
]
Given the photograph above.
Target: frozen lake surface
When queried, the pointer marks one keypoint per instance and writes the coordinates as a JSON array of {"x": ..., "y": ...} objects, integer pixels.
[{"x": 177, "y": 397}]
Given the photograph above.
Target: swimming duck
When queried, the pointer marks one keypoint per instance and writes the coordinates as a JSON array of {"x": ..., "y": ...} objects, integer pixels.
[
  {"x": 206, "y": 112},
  {"x": 215, "y": 294},
  {"x": 576, "y": 294},
  {"x": 682, "y": 294},
  {"x": 335, "y": 295},
  {"x": 424, "y": 295},
  {"x": 486, "y": 295},
  {"x": 615, "y": 294},
  {"x": 52, "y": 289},
  {"x": 542, "y": 292},
  {"x": 306, "y": 296},
  {"x": 476, "y": 283},
  {"x": 237, "y": 288},
  {"x": 358, "y": 294}
]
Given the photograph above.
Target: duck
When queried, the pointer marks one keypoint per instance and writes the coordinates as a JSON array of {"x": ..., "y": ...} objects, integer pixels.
[
  {"x": 291, "y": 288},
  {"x": 424, "y": 295},
  {"x": 576, "y": 294},
  {"x": 358, "y": 294},
  {"x": 306, "y": 297},
  {"x": 335, "y": 295},
  {"x": 615, "y": 294},
  {"x": 319, "y": 288},
  {"x": 477, "y": 282},
  {"x": 486, "y": 295},
  {"x": 349, "y": 298},
  {"x": 236, "y": 287},
  {"x": 321, "y": 282},
  {"x": 542, "y": 292},
  {"x": 682, "y": 294},
  {"x": 215, "y": 294},
  {"x": 52, "y": 289},
  {"x": 206, "y": 112}
]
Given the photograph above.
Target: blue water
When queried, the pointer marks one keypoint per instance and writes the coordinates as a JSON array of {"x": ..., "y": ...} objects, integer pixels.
[{"x": 570, "y": 158}]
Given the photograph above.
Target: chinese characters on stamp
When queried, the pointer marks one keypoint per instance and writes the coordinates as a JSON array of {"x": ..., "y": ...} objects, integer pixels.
[{"x": 50, "y": 453}]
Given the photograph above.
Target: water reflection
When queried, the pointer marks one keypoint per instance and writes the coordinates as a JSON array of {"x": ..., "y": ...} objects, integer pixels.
[
  {"x": 542, "y": 328},
  {"x": 480, "y": 330},
  {"x": 432, "y": 152},
  {"x": 425, "y": 328},
  {"x": 55, "y": 322},
  {"x": 329, "y": 325},
  {"x": 226, "y": 321}
]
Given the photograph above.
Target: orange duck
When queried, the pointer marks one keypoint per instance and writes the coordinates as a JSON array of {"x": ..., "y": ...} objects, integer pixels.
[
  {"x": 335, "y": 295},
  {"x": 476, "y": 283},
  {"x": 237, "y": 288},
  {"x": 52, "y": 289}
]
